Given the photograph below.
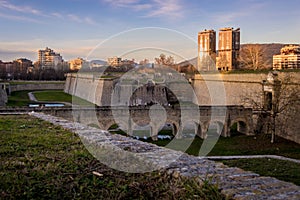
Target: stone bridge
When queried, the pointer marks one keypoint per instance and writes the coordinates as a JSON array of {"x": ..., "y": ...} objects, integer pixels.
[{"x": 207, "y": 119}]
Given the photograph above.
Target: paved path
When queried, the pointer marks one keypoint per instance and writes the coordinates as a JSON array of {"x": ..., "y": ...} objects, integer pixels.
[
  {"x": 232, "y": 182},
  {"x": 32, "y": 97}
]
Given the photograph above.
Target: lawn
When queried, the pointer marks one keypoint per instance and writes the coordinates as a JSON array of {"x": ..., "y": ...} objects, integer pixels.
[
  {"x": 41, "y": 161},
  {"x": 239, "y": 145},
  {"x": 20, "y": 98},
  {"x": 283, "y": 170},
  {"x": 248, "y": 145},
  {"x": 53, "y": 95}
]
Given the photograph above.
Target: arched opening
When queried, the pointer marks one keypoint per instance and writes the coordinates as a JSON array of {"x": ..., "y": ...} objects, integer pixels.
[
  {"x": 167, "y": 131},
  {"x": 238, "y": 128},
  {"x": 141, "y": 132},
  {"x": 191, "y": 129},
  {"x": 215, "y": 129}
]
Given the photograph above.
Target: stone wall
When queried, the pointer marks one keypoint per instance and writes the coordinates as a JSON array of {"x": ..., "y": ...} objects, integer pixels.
[
  {"x": 210, "y": 89},
  {"x": 3, "y": 95},
  {"x": 37, "y": 86}
]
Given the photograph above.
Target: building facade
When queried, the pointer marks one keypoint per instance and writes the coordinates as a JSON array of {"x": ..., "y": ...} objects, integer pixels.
[
  {"x": 289, "y": 58},
  {"x": 77, "y": 64},
  {"x": 114, "y": 61},
  {"x": 49, "y": 59},
  {"x": 228, "y": 51},
  {"x": 206, "y": 50}
]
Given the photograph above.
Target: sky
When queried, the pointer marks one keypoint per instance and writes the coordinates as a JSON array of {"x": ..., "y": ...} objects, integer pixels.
[{"x": 74, "y": 28}]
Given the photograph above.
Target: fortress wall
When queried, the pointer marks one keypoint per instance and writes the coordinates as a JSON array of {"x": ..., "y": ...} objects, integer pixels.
[
  {"x": 37, "y": 86},
  {"x": 3, "y": 97},
  {"x": 227, "y": 89},
  {"x": 90, "y": 88}
]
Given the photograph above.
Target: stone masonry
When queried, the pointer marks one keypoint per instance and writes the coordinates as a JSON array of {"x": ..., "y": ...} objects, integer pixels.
[{"x": 232, "y": 182}]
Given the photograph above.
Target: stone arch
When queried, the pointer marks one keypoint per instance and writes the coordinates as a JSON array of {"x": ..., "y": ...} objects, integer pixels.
[
  {"x": 216, "y": 127},
  {"x": 242, "y": 125},
  {"x": 174, "y": 125},
  {"x": 198, "y": 127}
]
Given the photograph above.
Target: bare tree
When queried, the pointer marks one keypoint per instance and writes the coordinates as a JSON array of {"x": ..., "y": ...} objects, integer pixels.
[
  {"x": 278, "y": 104},
  {"x": 252, "y": 56},
  {"x": 164, "y": 60}
]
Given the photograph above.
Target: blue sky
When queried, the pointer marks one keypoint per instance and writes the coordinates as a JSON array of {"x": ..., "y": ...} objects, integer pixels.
[{"x": 74, "y": 27}]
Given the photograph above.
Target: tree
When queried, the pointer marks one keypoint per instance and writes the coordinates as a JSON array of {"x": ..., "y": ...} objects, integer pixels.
[
  {"x": 278, "y": 104},
  {"x": 252, "y": 56},
  {"x": 164, "y": 60}
]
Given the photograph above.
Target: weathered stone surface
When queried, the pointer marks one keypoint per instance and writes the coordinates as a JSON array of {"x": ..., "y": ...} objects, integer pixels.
[{"x": 233, "y": 182}]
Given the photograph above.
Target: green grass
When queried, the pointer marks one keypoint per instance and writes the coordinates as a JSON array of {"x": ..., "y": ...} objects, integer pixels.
[
  {"x": 19, "y": 98},
  {"x": 53, "y": 95},
  {"x": 41, "y": 161},
  {"x": 237, "y": 145},
  {"x": 283, "y": 170}
]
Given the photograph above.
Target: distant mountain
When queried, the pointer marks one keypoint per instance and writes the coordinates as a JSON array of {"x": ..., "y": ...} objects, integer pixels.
[{"x": 269, "y": 50}]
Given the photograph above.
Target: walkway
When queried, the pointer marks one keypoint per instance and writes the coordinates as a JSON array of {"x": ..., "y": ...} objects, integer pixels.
[
  {"x": 232, "y": 182},
  {"x": 32, "y": 97}
]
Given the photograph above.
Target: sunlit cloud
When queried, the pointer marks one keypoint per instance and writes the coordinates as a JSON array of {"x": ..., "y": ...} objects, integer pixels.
[
  {"x": 169, "y": 8},
  {"x": 23, "y": 9},
  {"x": 33, "y": 11},
  {"x": 155, "y": 8}
]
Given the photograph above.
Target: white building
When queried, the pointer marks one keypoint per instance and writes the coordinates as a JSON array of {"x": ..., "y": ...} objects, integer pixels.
[
  {"x": 49, "y": 59},
  {"x": 289, "y": 58}
]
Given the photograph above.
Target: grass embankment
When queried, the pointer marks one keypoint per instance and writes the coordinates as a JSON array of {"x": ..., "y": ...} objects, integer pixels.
[
  {"x": 254, "y": 145},
  {"x": 247, "y": 145},
  {"x": 20, "y": 98},
  {"x": 283, "y": 170},
  {"x": 53, "y": 95},
  {"x": 237, "y": 145},
  {"x": 41, "y": 161}
]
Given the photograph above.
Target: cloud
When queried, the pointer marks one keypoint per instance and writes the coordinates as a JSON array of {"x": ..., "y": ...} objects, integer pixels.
[
  {"x": 169, "y": 8},
  {"x": 20, "y": 18},
  {"x": 23, "y": 9},
  {"x": 33, "y": 11},
  {"x": 79, "y": 19},
  {"x": 155, "y": 8}
]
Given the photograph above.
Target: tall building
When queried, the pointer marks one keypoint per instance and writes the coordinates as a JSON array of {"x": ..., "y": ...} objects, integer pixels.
[
  {"x": 114, "y": 61},
  {"x": 229, "y": 47},
  {"x": 289, "y": 58},
  {"x": 206, "y": 50},
  {"x": 49, "y": 59},
  {"x": 77, "y": 64}
]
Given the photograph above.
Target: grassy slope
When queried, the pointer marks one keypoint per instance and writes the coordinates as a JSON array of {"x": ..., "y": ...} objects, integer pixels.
[
  {"x": 19, "y": 98},
  {"x": 242, "y": 145},
  {"x": 283, "y": 170},
  {"x": 41, "y": 161},
  {"x": 53, "y": 95}
]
